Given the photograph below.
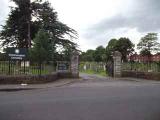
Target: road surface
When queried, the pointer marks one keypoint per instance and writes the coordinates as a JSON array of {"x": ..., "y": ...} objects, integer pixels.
[{"x": 91, "y": 98}]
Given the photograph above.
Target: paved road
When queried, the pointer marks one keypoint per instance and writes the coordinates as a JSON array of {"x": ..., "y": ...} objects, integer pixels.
[{"x": 91, "y": 98}]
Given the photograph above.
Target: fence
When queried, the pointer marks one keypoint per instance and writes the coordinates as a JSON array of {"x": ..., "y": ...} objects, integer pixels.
[
  {"x": 93, "y": 67},
  {"x": 26, "y": 68},
  {"x": 141, "y": 67}
]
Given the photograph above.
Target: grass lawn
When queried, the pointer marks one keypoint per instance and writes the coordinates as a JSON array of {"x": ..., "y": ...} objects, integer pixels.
[{"x": 101, "y": 73}]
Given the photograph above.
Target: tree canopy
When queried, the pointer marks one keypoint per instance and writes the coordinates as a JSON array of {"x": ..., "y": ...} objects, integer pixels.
[
  {"x": 27, "y": 18},
  {"x": 110, "y": 49},
  {"x": 145, "y": 52},
  {"x": 123, "y": 45},
  {"x": 149, "y": 42},
  {"x": 42, "y": 49},
  {"x": 99, "y": 54},
  {"x": 87, "y": 56}
]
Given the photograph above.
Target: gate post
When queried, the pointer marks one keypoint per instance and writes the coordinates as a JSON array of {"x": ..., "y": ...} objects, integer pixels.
[
  {"x": 117, "y": 63},
  {"x": 75, "y": 64}
]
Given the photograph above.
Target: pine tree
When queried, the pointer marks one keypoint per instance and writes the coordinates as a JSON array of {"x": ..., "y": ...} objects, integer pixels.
[
  {"x": 27, "y": 18},
  {"x": 42, "y": 49}
]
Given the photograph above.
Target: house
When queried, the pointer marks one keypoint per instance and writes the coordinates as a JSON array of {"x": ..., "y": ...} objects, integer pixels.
[{"x": 140, "y": 58}]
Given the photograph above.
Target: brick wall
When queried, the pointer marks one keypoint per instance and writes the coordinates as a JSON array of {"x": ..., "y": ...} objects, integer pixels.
[{"x": 140, "y": 58}]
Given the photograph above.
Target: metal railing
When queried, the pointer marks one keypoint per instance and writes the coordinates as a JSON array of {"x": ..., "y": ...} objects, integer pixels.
[
  {"x": 141, "y": 66},
  {"x": 93, "y": 66},
  {"x": 26, "y": 68}
]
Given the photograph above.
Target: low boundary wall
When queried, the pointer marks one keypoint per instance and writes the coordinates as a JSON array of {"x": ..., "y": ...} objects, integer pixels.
[
  {"x": 33, "y": 79},
  {"x": 143, "y": 75}
]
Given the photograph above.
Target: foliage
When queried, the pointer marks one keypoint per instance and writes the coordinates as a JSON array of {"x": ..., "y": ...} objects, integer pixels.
[
  {"x": 87, "y": 56},
  {"x": 149, "y": 43},
  {"x": 58, "y": 31},
  {"x": 65, "y": 54},
  {"x": 145, "y": 52},
  {"x": 42, "y": 49},
  {"x": 27, "y": 18},
  {"x": 14, "y": 33},
  {"x": 99, "y": 54},
  {"x": 110, "y": 49},
  {"x": 125, "y": 46}
]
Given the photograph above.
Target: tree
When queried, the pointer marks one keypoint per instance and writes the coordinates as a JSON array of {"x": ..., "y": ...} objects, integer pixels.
[
  {"x": 14, "y": 33},
  {"x": 66, "y": 53},
  {"x": 149, "y": 43},
  {"x": 87, "y": 56},
  {"x": 99, "y": 54},
  {"x": 57, "y": 30},
  {"x": 145, "y": 52},
  {"x": 125, "y": 46},
  {"x": 110, "y": 49},
  {"x": 27, "y": 18},
  {"x": 42, "y": 49}
]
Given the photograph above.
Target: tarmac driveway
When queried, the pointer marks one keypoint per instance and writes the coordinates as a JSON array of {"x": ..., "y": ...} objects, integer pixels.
[{"x": 90, "y": 98}]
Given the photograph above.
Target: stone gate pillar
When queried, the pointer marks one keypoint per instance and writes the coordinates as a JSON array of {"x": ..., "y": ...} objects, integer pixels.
[
  {"x": 75, "y": 64},
  {"x": 117, "y": 63}
]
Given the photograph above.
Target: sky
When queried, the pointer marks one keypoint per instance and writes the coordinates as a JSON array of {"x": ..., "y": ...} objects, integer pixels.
[{"x": 98, "y": 21}]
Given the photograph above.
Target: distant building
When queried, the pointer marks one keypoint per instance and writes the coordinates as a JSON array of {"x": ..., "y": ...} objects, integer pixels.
[{"x": 141, "y": 58}]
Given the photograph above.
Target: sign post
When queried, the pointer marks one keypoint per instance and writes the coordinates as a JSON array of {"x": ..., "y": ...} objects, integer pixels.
[
  {"x": 62, "y": 66},
  {"x": 17, "y": 53}
]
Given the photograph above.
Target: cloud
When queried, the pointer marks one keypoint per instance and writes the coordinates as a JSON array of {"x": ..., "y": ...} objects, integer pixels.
[
  {"x": 99, "y": 21},
  {"x": 142, "y": 16},
  {"x": 4, "y": 10}
]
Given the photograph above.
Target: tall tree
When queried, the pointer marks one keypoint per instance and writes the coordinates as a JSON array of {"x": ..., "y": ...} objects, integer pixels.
[
  {"x": 149, "y": 42},
  {"x": 25, "y": 20},
  {"x": 145, "y": 52},
  {"x": 87, "y": 56},
  {"x": 110, "y": 49},
  {"x": 47, "y": 17},
  {"x": 99, "y": 54},
  {"x": 42, "y": 49},
  {"x": 125, "y": 46},
  {"x": 66, "y": 53},
  {"x": 15, "y": 32}
]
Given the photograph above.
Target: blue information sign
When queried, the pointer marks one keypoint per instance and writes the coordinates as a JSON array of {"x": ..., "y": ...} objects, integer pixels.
[{"x": 17, "y": 53}]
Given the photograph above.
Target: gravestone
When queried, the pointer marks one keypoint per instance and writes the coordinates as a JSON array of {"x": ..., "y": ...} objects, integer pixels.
[
  {"x": 117, "y": 63},
  {"x": 75, "y": 64}
]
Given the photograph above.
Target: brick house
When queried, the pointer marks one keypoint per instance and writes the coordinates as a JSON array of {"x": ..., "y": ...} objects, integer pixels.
[{"x": 141, "y": 58}]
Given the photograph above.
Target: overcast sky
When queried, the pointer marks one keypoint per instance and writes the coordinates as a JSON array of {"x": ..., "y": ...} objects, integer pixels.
[{"x": 97, "y": 21}]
